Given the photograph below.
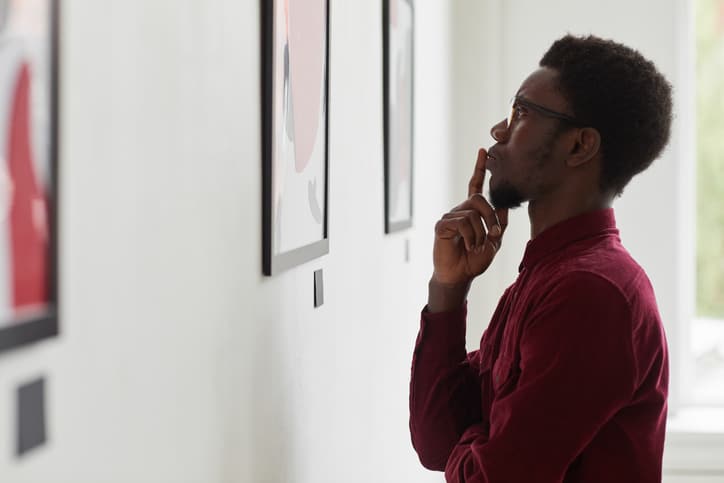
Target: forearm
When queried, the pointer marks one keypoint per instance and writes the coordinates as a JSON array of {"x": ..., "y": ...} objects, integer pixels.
[{"x": 444, "y": 387}]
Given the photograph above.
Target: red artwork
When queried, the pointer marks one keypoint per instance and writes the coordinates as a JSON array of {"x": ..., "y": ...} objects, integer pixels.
[
  {"x": 28, "y": 310},
  {"x": 28, "y": 209}
]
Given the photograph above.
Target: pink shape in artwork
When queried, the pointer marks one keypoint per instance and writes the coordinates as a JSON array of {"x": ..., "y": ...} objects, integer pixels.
[
  {"x": 307, "y": 28},
  {"x": 28, "y": 226}
]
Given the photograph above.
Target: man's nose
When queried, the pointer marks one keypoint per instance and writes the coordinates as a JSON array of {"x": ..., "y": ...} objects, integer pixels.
[{"x": 499, "y": 131}]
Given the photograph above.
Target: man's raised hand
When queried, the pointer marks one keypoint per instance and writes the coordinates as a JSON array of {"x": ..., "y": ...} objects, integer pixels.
[{"x": 468, "y": 237}]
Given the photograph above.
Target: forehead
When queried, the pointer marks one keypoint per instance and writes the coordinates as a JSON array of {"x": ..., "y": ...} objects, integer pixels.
[{"x": 541, "y": 87}]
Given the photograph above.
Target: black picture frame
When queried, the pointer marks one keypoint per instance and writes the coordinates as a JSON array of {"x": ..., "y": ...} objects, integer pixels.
[
  {"x": 275, "y": 260},
  {"x": 397, "y": 140},
  {"x": 45, "y": 324}
]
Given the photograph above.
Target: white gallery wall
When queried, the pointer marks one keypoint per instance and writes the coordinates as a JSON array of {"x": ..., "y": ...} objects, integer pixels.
[{"x": 177, "y": 360}]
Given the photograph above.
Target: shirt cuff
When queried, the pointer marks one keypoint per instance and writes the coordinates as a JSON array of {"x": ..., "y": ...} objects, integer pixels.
[{"x": 444, "y": 332}]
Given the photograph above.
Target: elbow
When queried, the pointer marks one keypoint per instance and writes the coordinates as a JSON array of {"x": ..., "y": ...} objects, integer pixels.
[
  {"x": 431, "y": 455},
  {"x": 431, "y": 462}
]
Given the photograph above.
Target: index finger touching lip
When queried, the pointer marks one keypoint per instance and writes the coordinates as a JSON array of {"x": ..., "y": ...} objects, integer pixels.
[{"x": 478, "y": 178}]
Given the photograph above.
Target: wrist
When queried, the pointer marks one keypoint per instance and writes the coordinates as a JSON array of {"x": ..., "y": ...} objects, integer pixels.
[{"x": 444, "y": 297}]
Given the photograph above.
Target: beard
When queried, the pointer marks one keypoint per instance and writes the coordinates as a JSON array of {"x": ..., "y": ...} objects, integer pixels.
[{"x": 505, "y": 195}]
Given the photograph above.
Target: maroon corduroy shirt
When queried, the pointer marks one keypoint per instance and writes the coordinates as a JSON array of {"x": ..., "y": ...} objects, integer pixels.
[{"x": 571, "y": 379}]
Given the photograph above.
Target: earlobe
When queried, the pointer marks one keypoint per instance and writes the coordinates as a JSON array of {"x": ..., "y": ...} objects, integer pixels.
[{"x": 587, "y": 145}]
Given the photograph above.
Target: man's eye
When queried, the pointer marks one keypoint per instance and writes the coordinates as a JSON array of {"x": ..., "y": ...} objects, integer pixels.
[{"x": 518, "y": 111}]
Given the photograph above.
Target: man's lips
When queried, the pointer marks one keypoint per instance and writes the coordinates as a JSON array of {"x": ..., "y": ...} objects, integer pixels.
[{"x": 493, "y": 158}]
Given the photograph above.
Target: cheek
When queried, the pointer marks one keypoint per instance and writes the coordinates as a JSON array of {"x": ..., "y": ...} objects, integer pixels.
[{"x": 510, "y": 168}]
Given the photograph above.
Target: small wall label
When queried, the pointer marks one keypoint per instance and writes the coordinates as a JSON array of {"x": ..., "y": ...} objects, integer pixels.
[
  {"x": 318, "y": 288},
  {"x": 31, "y": 416}
]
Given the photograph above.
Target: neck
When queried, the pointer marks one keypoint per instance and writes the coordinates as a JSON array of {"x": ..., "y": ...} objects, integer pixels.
[{"x": 543, "y": 214}]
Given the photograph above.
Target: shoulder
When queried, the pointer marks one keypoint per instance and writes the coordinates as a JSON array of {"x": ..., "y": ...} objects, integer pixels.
[
  {"x": 586, "y": 292},
  {"x": 605, "y": 268}
]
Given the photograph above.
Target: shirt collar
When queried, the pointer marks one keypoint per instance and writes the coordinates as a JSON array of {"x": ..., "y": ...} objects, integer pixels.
[{"x": 566, "y": 232}]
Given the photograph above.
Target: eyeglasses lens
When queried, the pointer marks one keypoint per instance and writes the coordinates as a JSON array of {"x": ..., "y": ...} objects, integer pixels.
[{"x": 511, "y": 114}]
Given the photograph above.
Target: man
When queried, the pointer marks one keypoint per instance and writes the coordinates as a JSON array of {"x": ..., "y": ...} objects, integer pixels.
[{"x": 571, "y": 378}]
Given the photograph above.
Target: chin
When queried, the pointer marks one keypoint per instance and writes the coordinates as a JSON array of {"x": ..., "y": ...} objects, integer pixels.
[{"x": 505, "y": 195}]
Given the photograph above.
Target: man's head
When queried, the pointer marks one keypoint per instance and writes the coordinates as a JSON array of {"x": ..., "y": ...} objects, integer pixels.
[{"x": 595, "y": 110}]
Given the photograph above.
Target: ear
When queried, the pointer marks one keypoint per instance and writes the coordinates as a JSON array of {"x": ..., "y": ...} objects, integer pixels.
[{"x": 586, "y": 145}]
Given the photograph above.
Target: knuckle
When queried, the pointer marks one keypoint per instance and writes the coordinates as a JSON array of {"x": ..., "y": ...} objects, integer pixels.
[{"x": 481, "y": 204}]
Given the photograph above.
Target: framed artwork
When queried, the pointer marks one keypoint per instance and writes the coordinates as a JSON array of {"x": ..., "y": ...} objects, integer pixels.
[
  {"x": 295, "y": 118},
  {"x": 398, "y": 50},
  {"x": 28, "y": 171}
]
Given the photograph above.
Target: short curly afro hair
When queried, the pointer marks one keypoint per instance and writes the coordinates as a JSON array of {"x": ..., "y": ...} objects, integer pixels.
[{"x": 617, "y": 91}]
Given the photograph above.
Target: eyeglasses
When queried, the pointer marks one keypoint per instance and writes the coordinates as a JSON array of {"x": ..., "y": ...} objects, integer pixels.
[{"x": 517, "y": 102}]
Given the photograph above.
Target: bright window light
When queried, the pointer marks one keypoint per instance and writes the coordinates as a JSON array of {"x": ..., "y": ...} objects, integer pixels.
[{"x": 707, "y": 331}]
